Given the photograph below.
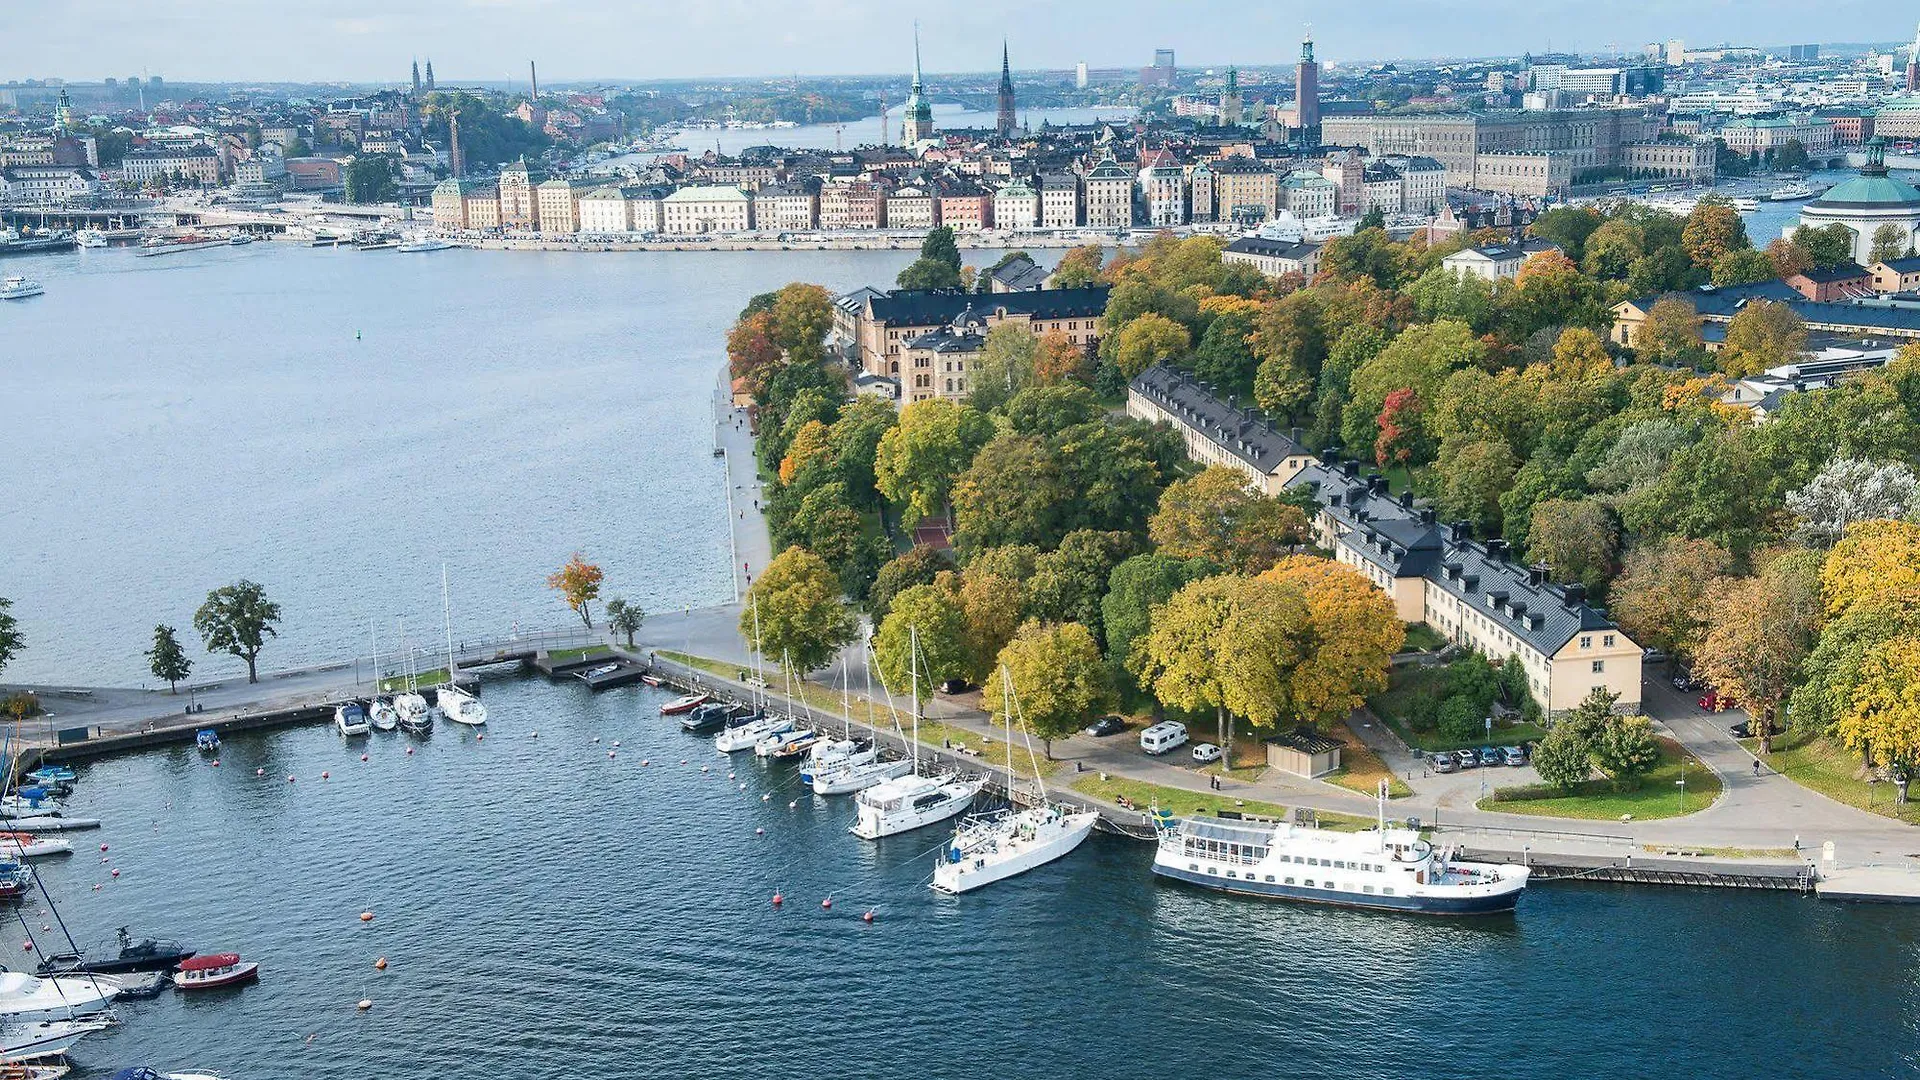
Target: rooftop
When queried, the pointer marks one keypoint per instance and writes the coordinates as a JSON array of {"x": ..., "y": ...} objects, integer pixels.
[{"x": 1242, "y": 432}]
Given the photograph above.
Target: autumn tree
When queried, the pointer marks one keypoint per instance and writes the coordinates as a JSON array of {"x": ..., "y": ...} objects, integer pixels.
[
  {"x": 1762, "y": 334},
  {"x": 918, "y": 460},
  {"x": 801, "y": 316},
  {"x": 1875, "y": 561},
  {"x": 1743, "y": 267},
  {"x": 1403, "y": 436},
  {"x": 1670, "y": 334},
  {"x": 1713, "y": 229},
  {"x": 166, "y": 659},
  {"x": 1068, "y": 583},
  {"x": 752, "y": 351},
  {"x": 794, "y": 612},
  {"x": 919, "y": 565},
  {"x": 1580, "y": 354},
  {"x": 1661, "y": 593},
  {"x": 1148, "y": 340},
  {"x": 237, "y": 619},
  {"x": 1058, "y": 361},
  {"x": 1215, "y": 516},
  {"x": 1228, "y": 644},
  {"x": 810, "y": 443},
  {"x": 1420, "y": 359},
  {"x": 993, "y": 607},
  {"x": 624, "y": 617},
  {"x": 1080, "y": 267},
  {"x": 1055, "y": 678},
  {"x": 1626, "y": 750},
  {"x": 1760, "y": 629},
  {"x": 1831, "y": 673},
  {"x": 1882, "y": 721},
  {"x": 1788, "y": 257},
  {"x": 1353, "y": 634},
  {"x": 933, "y": 618},
  {"x": 578, "y": 583},
  {"x": 1577, "y": 537},
  {"x": 1013, "y": 493},
  {"x": 1890, "y": 242},
  {"x": 1004, "y": 367}
]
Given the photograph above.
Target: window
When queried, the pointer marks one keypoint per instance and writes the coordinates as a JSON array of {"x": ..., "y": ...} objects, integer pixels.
[
  {"x": 1269, "y": 879},
  {"x": 1607, "y": 641},
  {"x": 1386, "y": 892},
  {"x": 1586, "y": 641},
  {"x": 1599, "y": 666},
  {"x": 1289, "y": 881},
  {"x": 1308, "y": 882}
]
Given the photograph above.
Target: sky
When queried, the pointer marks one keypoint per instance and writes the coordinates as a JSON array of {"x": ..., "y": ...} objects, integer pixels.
[{"x": 491, "y": 40}]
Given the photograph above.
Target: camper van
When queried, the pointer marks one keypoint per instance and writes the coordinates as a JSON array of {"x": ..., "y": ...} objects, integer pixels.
[{"x": 1163, "y": 737}]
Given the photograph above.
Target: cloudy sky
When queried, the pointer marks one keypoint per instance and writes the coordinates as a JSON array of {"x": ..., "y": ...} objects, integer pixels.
[{"x": 586, "y": 39}]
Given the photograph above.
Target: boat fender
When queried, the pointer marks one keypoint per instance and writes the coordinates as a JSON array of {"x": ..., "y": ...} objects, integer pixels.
[
  {"x": 794, "y": 805},
  {"x": 827, "y": 904},
  {"x": 324, "y": 775},
  {"x": 366, "y": 916},
  {"x": 616, "y": 744},
  {"x": 364, "y": 1004},
  {"x": 759, "y": 832},
  {"x": 116, "y": 871},
  {"x": 26, "y": 946},
  {"x": 289, "y": 778},
  {"x": 763, "y": 798},
  {"x": 216, "y": 763},
  {"x": 705, "y": 769},
  {"x": 259, "y": 772},
  {"x": 380, "y": 964},
  {"x": 729, "y": 776}
]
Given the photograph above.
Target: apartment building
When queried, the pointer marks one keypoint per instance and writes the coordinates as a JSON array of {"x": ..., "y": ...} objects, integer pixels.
[
  {"x": 1274, "y": 258},
  {"x": 197, "y": 165},
  {"x": 1218, "y": 432},
  {"x": 882, "y": 325},
  {"x": 604, "y": 210},
  {"x": 1305, "y": 195},
  {"x": 706, "y": 208},
  {"x": 1163, "y": 194},
  {"x": 1244, "y": 190},
  {"x": 1109, "y": 195},
  {"x": 559, "y": 205},
  {"x": 1059, "y": 201},
  {"x": 792, "y": 207},
  {"x": 853, "y": 204},
  {"x": 912, "y": 206},
  {"x": 1016, "y": 206}
]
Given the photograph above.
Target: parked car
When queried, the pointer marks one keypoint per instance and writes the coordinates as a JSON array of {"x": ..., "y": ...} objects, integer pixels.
[
  {"x": 1443, "y": 763},
  {"x": 1653, "y": 656},
  {"x": 1514, "y": 755},
  {"x": 1107, "y": 725},
  {"x": 1491, "y": 755},
  {"x": 1467, "y": 759},
  {"x": 1741, "y": 730},
  {"x": 1206, "y": 752},
  {"x": 1682, "y": 681},
  {"x": 1713, "y": 702},
  {"x": 954, "y": 686},
  {"x": 1163, "y": 736}
]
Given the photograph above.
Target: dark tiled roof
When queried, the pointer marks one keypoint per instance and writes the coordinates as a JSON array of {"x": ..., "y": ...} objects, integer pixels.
[
  {"x": 935, "y": 308},
  {"x": 1022, "y": 274},
  {"x": 1846, "y": 271},
  {"x": 1306, "y": 740},
  {"x": 1244, "y": 433},
  {"x": 1277, "y": 249},
  {"x": 1908, "y": 265}
]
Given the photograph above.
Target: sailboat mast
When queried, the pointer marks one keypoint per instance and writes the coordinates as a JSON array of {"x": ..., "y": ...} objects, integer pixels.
[
  {"x": 913, "y": 676},
  {"x": 759, "y": 660},
  {"x": 446, "y": 608},
  {"x": 1006, "y": 694},
  {"x": 846, "y": 696},
  {"x": 373, "y": 631}
]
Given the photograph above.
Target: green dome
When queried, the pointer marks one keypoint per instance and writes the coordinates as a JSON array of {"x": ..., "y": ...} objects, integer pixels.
[{"x": 1870, "y": 191}]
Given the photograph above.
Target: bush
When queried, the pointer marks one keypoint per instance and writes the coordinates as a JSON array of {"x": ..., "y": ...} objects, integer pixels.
[
  {"x": 1626, "y": 750},
  {"x": 1423, "y": 709},
  {"x": 1461, "y": 719},
  {"x": 1561, "y": 758},
  {"x": 1473, "y": 678}
]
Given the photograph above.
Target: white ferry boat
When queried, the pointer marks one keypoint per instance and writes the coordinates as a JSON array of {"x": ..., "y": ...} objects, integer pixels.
[
  {"x": 424, "y": 243},
  {"x": 91, "y": 238},
  {"x": 1792, "y": 192},
  {"x": 1390, "y": 869},
  {"x": 15, "y": 287}
]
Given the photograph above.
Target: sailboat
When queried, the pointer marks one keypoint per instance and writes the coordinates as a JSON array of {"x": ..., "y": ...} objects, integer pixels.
[
  {"x": 761, "y": 722},
  {"x": 912, "y": 801},
  {"x": 380, "y": 709},
  {"x": 990, "y": 847},
  {"x": 855, "y": 767},
  {"x": 410, "y": 705},
  {"x": 456, "y": 704}
]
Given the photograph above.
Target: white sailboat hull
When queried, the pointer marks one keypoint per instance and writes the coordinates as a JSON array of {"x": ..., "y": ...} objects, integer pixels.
[
  {"x": 746, "y": 736},
  {"x": 23, "y": 1041},
  {"x": 1013, "y": 851},
  {"x": 849, "y": 779},
  {"x": 935, "y": 802},
  {"x": 461, "y": 707}
]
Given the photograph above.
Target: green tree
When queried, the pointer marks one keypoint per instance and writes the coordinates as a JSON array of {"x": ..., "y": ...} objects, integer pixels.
[
  {"x": 166, "y": 659},
  {"x": 1215, "y": 516},
  {"x": 919, "y": 565},
  {"x": 917, "y": 462},
  {"x": 802, "y": 314},
  {"x": 1057, "y": 680},
  {"x": 1569, "y": 227},
  {"x": 854, "y": 442},
  {"x": 1012, "y": 493},
  {"x": 1469, "y": 479},
  {"x": 237, "y": 619},
  {"x": 1147, "y": 340},
  {"x": 1224, "y": 357},
  {"x": 1790, "y": 155},
  {"x": 794, "y": 612},
  {"x": 369, "y": 178},
  {"x": 933, "y": 617},
  {"x": 1626, "y": 750},
  {"x": 1762, "y": 334},
  {"x": 1420, "y": 359},
  {"x": 938, "y": 266},
  {"x": 1563, "y": 758},
  {"x": 1890, "y": 242},
  {"x": 1743, "y": 267},
  {"x": 1004, "y": 368},
  {"x": 12, "y": 640},
  {"x": 1671, "y": 332},
  {"x": 1374, "y": 218},
  {"x": 1069, "y": 582},
  {"x": 624, "y": 618},
  {"x": 1577, "y": 537},
  {"x": 1613, "y": 248},
  {"x": 1225, "y": 643},
  {"x": 1826, "y": 246},
  {"x": 1134, "y": 589}
]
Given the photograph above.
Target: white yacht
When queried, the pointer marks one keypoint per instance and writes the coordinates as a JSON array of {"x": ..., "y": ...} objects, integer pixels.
[
  {"x": 351, "y": 718},
  {"x": 1388, "y": 868},
  {"x": 850, "y": 777},
  {"x": 832, "y": 755},
  {"x": 1791, "y": 192},
  {"x": 90, "y": 238},
  {"x": 28, "y": 805},
  {"x": 744, "y": 736},
  {"x": 410, "y": 709},
  {"x": 415, "y": 244},
  {"x": 24, "y": 1040},
  {"x": 1746, "y": 205},
  {"x": 911, "y": 802},
  {"x": 460, "y": 706},
  {"x": 383, "y": 715},
  {"x": 15, "y": 287},
  {"x": 992, "y": 847},
  {"x": 59, "y": 997}
]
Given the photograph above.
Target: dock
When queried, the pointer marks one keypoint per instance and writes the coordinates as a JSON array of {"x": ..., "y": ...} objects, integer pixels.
[{"x": 1870, "y": 884}]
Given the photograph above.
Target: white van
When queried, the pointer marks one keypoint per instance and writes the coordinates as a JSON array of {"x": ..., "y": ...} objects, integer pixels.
[{"x": 1163, "y": 737}]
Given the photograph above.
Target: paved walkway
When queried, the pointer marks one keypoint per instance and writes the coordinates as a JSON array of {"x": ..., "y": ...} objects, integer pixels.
[{"x": 752, "y": 547}]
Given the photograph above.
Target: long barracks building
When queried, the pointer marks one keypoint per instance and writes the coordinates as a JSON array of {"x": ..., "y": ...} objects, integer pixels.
[{"x": 885, "y": 325}]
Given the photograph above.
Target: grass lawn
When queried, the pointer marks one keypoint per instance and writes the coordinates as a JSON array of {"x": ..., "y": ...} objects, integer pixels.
[
  {"x": 563, "y": 656},
  {"x": 423, "y": 679},
  {"x": 1423, "y": 638},
  {"x": 1361, "y": 769},
  {"x": 1184, "y": 803},
  {"x": 1834, "y": 771},
  {"x": 1658, "y": 796}
]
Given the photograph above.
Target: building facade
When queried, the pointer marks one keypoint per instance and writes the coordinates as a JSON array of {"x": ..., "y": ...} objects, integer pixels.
[
  {"x": 1217, "y": 432},
  {"x": 708, "y": 208},
  {"x": 1109, "y": 195},
  {"x": 1059, "y": 201}
]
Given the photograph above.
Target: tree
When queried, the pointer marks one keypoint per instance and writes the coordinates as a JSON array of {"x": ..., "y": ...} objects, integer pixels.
[
  {"x": 938, "y": 266},
  {"x": 1713, "y": 229},
  {"x": 1760, "y": 629},
  {"x": 808, "y": 445},
  {"x": 854, "y": 441},
  {"x": 1146, "y": 341},
  {"x": 1225, "y": 643},
  {"x": 801, "y": 316},
  {"x": 1790, "y": 155},
  {"x": 1403, "y": 436},
  {"x": 1215, "y": 516},
  {"x": 918, "y": 460},
  {"x": 1013, "y": 493},
  {"x": 826, "y": 524},
  {"x": 1743, "y": 267},
  {"x": 1059, "y": 361},
  {"x": 1578, "y": 353},
  {"x": 1353, "y": 633},
  {"x": 794, "y": 612},
  {"x": 919, "y": 565},
  {"x": 1224, "y": 358},
  {"x": 1469, "y": 479},
  {"x": 932, "y": 617},
  {"x": 1057, "y": 679},
  {"x": 1890, "y": 242},
  {"x": 624, "y": 618},
  {"x": 1831, "y": 672},
  {"x": 1069, "y": 582},
  {"x": 1661, "y": 593},
  {"x": 1761, "y": 335},
  {"x": 752, "y": 351},
  {"x": 12, "y": 641},
  {"x": 1613, "y": 248},
  {"x": 1670, "y": 334},
  {"x": 1577, "y": 537},
  {"x": 369, "y": 178},
  {"x": 1135, "y": 588},
  {"x": 1874, "y": 561},
  {"x": 578, "y": 583},
  {"x": 1563, "y": 758},
  {"x": 1882, "y": 721},
  {"x": 1626, "y": 750},
  {"x": 1826, "y": 246},
  {"x": 993, "y": 607},
  {"x": 237, "y": 619},
  {"x": 1568, "y": 226},
  {"x": 1080, "y": 267},
  {"x": 1849, "y": 490},
  {"x": 1004, "y": 367},
  {"x": 166, "y": 659},
  {"x": 1420, "y": 359}
]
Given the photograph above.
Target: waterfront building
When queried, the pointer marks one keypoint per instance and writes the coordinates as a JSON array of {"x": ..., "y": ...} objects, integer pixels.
[
  {"x": 1163, "y": 194},
  {"x": 559, "y": 205},
  {"x": 265, "y": 168},
  {"x": 1577, "y": 139},
  {"x": 482, "y": 202},
  {"x": 193, "y": 164},
  {"x": 647, "y": 207},
  {"x": 1244, "y": 190},
  {"x": 1423, "y": 182},
  {"x": 450, "y": 204},
  {"x": 1307, "y": 196},
  {"x": 1523, "y": 172},
  {"x": 604, "y": 210},
  {"x": 1059, "y": 201},
  {"x": 1495, "y": 262},
  {"x": 47, "y": 183},
  {"x": 965, "y": 206},
  {"x": 1898, "y": 118},
  {"x": 1274, "y": 258},
  {"x": 788, "y": 207},
  {"x": 750, "y": 175},
  {"x": 911, "y": 206},
  {"x": 312, "y": 173},
  {"x": 27, "y": 152},
  {"x": 884, "y": 323},
  {"x": 1865, "y": 204},
  {"x": 1765, "y": 135},
  {"x": 1004, "y": 122},
  {"x": 1016, "y": 206},
  {"x": 1866, "y": 318},
  {"x": 1218, "y": 432},
  {"x": 853, "y": 204},
  {"x": 519, "y": 205},
  {"x": 1109, "y": 194},
  {"x": 1475, "y": 594},
  {"x": 1694, "y": 160},
  {"x": 916, "y": 121},
  {"x": 704, "y": 209}
]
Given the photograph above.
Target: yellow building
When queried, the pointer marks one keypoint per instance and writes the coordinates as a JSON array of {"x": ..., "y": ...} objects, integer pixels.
[
  {"x": 519, "y": 205},
  {"x": 1217, "y": 432}
]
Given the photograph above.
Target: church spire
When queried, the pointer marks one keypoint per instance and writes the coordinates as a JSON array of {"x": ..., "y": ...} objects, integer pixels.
[
  {"x": 1005, "y": 122},
  {"x": 916, "y": 122},
  {"x": 916, "y": 56}
]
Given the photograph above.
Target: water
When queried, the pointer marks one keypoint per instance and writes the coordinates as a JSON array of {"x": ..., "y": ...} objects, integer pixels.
[
  {"x": 337, "y": 424},
  {"x": 866, "y": 132},
  {"x": 539, "y": 902}
]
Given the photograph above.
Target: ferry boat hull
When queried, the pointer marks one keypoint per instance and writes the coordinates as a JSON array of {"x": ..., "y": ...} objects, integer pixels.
[{"x": 1493, "y": 903}]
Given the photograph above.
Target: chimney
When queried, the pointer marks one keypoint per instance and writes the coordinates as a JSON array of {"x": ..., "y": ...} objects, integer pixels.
[
  {"x": 1294, "y": 434},
  {"x": 1497, "y": 550},
  {"x": 1575, "y": 593},
  {"x": 1427, "y": 516},
  {"x": 1376, "y": 484},
  {"x": 1537, "y": 574},
  {"x": 1406, "y": 499}
]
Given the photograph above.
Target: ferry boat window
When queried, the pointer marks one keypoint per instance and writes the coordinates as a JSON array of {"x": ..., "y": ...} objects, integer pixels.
[
  {"x": 1232, "y": 874},
  {"x": 1366, "y": 888},
  {"x": 1193, "y": 866},
  {"x": 1269, "y": 879},
  {"x": 1313, "y": 862},
  {"x": 1212, "y": 870},
  {"x": 1386, "y": 892},
  {"x": 1289, "y": 881}
]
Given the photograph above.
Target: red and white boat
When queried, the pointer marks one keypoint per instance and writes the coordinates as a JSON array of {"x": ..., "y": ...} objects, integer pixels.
[
  {"x": 214, "y": 970},
  {"x": 20, "y": 845},
  {"x": 650, "y": 680},
  {"x": 684, "y": 704}
]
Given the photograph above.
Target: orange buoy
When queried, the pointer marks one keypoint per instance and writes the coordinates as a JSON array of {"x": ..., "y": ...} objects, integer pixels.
[
  {"x": 380, "y": 964},
  {"x": 778, "y": 899},
  {"x": 366, "y": 916},
  {"x": 868, "y": 917},
  {"x": 827, "y": 903}
]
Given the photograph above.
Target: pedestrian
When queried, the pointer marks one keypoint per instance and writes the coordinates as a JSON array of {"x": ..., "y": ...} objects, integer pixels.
[{"x": 1756, "y": 766}]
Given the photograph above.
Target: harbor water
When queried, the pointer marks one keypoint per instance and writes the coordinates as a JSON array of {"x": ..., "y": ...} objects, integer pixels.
[{"x": 336, "y": 424}]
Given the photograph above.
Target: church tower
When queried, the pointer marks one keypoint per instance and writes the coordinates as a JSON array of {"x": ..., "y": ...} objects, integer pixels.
[
  {"x": 1306, "y": 93},
  {"x": 917, "y": 123},
  {"x": 1230, "y": 110},
  {"x": 416, "y": 78},
  {"x": 429, "y": 76},
  {"x": 1005, "y": 122},
  {"x": 63, "y": 113}
]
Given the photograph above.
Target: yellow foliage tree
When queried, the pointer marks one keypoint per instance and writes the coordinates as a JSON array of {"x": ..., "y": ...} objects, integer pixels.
[
  {"x": 1215, "y": 516},
  {"x": 809, "y": 442},
  {"x": 578, "y": 582},
  {"x": 1226, "y": 643},
  {"x": 1058, "y": 680},
  {"x": 1580, "y": 354},
  {"x": 1883, "y": 720},
  {"x": 1876, "y": 560},
  {"x": 1355, "y": 634}
]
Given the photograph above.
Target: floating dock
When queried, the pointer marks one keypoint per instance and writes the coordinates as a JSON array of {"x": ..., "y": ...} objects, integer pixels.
[
  {"x": 622, "y": 673},
  {"x": 1871, "y": 884}
]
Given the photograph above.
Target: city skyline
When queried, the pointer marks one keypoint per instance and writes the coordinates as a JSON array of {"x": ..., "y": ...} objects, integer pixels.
[{"x": 585, "y": 40}]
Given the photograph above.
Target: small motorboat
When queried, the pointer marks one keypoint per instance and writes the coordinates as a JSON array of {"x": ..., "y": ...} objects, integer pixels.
[
  {"x": 51, "y": 777},
  {"x": 351, "y": 718},
  {"x": 15, "y": 879},
  {"x": 122, "y": 955},
  {"x": 23, "y": 845},
  {"x": 207, "y": 739},
  {"x": 593, "y": 673},
  {"x": 709, "y": 717},
  {"x": 650, "y": 680},
  {"x": 34, "y": 1070},
  {"x": 46, "y": 1038},
  {"x": 148, "y": 1072},
  {"x": 684, "y": 704},
  {"x": 744, "y": 735},
  {"x": 790, "y": 744},
  {"x": 60, "y": 997},
  {"x": 415, "y": 717},
  {"x": 15, "y": 287},
  {"x": 29, "y": 802},
  {"x": 214, "y": 970},
  {"x": 384, "y": 716}
]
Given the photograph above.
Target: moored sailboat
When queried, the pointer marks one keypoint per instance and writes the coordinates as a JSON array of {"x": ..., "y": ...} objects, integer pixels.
[
  {"x": 456, "y": 703},
  {"x": 913, "y": 800}
]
